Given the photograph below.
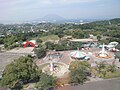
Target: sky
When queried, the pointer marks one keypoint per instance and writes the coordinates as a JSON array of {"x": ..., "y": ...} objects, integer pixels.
[{"x": 25, "y": 10}]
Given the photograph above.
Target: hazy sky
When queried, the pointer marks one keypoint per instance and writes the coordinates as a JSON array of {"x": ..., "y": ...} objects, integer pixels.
[{"x": 22, "y": 10}]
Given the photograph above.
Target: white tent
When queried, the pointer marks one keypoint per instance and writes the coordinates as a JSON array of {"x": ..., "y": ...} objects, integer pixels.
[{"x": 77, "y": 54}]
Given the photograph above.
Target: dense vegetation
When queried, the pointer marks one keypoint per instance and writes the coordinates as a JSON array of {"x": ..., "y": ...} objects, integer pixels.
[
  {"x": 46, "y": 82},
  {"x": 24, "y": 32},
  {"x": 79, "y": 71},
  {"x": 19, "y": 72},
  {"x": 105, "y": 70},
  {"x": 23, "y": 71}
]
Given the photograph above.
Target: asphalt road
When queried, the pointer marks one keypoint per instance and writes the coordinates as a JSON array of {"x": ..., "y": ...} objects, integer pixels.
[{"x": 113, "y": 84}]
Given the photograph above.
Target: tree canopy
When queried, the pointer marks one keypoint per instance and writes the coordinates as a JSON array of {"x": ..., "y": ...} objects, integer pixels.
[
  {"x": 40, "y": 52},
  {"x": 19, "y": 72},
  {"x": 46, "y": 82},
  {"x": 79, "y": 70}
]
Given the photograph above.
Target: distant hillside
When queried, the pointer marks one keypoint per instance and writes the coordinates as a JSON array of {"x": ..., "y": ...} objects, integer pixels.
[
  {"x": 51, "y": 18},
  {"x": 107, "y": 22},
  {"x": 58, "y": 19},
  {"x": 115, "y": 21}
]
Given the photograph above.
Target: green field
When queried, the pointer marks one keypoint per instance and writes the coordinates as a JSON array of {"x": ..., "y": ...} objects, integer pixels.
[
  {"x": 108, "y": 74},
  {"x": 113, "y": 75},
  {"x": 49, "y": 37},
  {"x": 42, "y": 66}
]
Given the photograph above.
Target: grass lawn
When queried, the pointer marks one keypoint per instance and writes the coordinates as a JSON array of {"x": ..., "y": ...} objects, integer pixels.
[
  {"x": 42, "y": 66},
  {"x": 49, "y": 37},
  {"x": 113, "y": 75},
  {"x": 108, "y": 74},
  {"x": 94, "y": 71}
]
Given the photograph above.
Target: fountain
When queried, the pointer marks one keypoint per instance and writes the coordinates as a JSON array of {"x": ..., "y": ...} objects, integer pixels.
[
  {"x": 53, "y": 67},
  {"x": 103, "y": 53}
]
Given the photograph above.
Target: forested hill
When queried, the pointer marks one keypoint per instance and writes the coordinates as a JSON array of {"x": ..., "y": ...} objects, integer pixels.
[
  {"x": 104, "y": 25},
  {"x": 108, "y": 22},
  {"x": 106, "y": 31},
  {"x": 115, "y": 21}
]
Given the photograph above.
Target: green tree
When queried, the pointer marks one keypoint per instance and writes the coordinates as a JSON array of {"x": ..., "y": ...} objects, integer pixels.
[
  {"x": 79, "y": 71},
  {"x": 76, "y": 64},
  {"x": 100, "y": 66},
  {"x": 1, "y": 40},
  {"x": 78, "y": 34},
  {"x": 10, "y": 42},
  {"x": 50, "y": 45},
  {"x": 111, "y": 68},
  {"x": 40, "y": 52},
  {"x": 78, "y": 76},
  {"x": 46, "y": 82},
  {"x": 60, "y": 35},
  {"x": 104, "y": 72},
  {"x": 99, "y": 37},
  {"x": 59, "y": 47},
  {"x": 75, "y": 45},
  {"x": 19, "y": 72},
  {"x": 39, "y": 40}
]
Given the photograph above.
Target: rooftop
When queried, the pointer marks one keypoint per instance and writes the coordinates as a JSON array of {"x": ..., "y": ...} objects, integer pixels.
[{"x": 84, "y": 40}]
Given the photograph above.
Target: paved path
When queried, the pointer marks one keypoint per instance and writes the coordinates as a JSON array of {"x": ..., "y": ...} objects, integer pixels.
[
  {"x": 8, "y": 56},
  {"x": 111, "y": 84},
  {"x": 65, "y": 58}
]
